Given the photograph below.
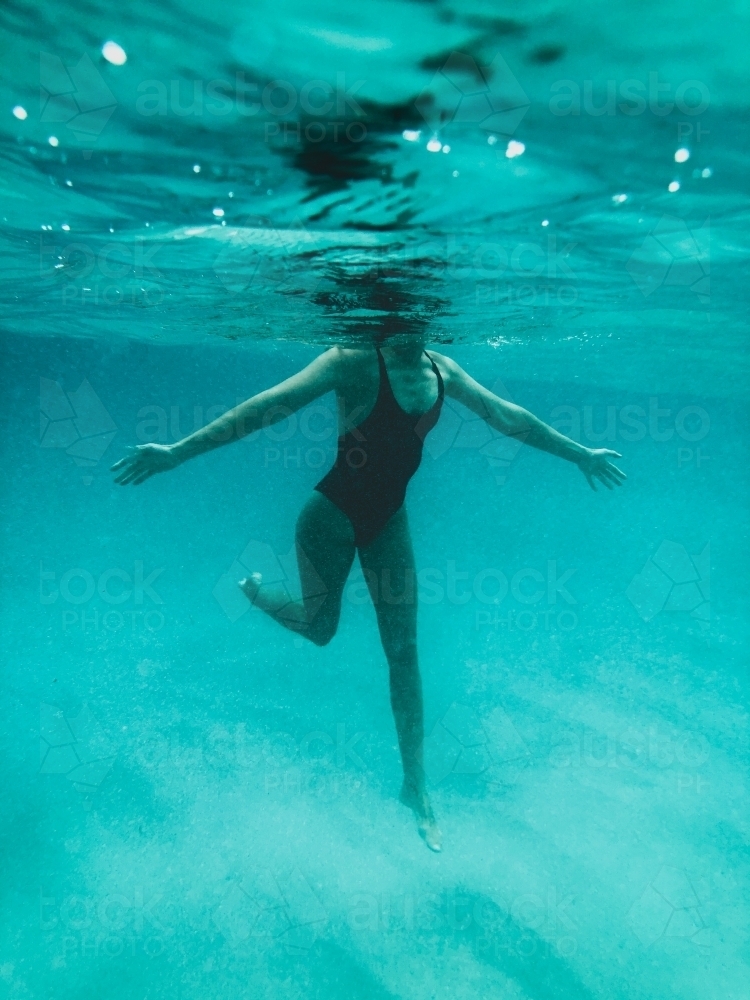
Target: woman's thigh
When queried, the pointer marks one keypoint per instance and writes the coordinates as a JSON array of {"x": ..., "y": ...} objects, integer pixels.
[
  {"x": 388, "y": 566},
  {"x": 325, "y": 552}
]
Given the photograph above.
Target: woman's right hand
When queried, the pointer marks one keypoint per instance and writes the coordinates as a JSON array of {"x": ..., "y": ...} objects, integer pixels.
[
  {"x": 144, "y": 461},
  {"x": 594, "y": 463}
]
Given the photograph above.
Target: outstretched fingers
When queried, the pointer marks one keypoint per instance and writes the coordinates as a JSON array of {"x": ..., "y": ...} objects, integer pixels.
[
  {"x": 597, "y": 468},
  {"x": 127, "y": 479},
  {"x": 610, "y": 473},
  {"x": 613, "y": 470},
  {"x": 127, "y": 460},
  {"x": 124, "y": 468},
  {"x": 126, "y": 474},
  {"x": 132, "y": 471}
]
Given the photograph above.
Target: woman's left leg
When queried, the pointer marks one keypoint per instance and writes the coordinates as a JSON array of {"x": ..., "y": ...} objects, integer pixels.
[
  {"x": 388, "y": 567},
  {"x": 325, "y": 553}
]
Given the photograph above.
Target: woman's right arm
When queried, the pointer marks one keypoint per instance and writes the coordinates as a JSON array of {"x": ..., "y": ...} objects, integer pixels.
[
  {"x": 268, "y": 407},
  {"x": 515, "y": 421}
]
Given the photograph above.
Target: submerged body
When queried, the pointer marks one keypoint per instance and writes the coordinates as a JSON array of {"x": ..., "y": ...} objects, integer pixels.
[
  {"x": 377, "y": 458},
  {"x": 386, "y": 406}
]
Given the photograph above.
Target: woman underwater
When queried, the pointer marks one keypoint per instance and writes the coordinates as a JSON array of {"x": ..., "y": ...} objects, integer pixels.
[{"x": 388, "y": 400}]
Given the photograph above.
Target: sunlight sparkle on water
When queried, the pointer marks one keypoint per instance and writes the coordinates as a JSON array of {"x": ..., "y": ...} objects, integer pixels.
[
  {"x": 515, "y": 148},
  {"x": 674, "y": 186},
  {"x": 20, "y": 113},
  {"x": 114, "y": 53},
  {"x": 434, "y": 145},
  {"x": 682, "y": 155}
]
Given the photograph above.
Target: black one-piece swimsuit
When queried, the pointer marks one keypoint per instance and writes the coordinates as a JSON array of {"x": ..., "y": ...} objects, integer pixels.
[{"x": 376, "y": 460}]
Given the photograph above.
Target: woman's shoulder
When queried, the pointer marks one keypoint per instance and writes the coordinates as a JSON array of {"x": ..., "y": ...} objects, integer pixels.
[
  {"x": 343, "y": 355},
  {"x": 448, "y": 367},
  {"x": 440, "y": 357},
  {"x": 353, "y": 364}
]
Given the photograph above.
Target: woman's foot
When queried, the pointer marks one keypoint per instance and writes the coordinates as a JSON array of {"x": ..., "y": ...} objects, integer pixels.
[
  {"x": 416, "y": 799},
  {"x": 250, "y": 586}
]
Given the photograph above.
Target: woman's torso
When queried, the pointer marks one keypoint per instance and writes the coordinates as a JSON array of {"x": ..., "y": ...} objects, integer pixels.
[
  {"x": 413, "y": 384},
  {"x": 380, "y": 441}
]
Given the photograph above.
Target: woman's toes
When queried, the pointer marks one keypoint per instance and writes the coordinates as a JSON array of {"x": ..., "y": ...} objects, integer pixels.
[
  {"x": 418, "y": 801},
  {"x": 431, "y": 834},
  {"x": 251, "y": 585}
]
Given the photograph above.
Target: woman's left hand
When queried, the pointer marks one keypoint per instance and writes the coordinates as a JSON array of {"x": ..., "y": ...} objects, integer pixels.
[
  {"x": 595, "y": 464},
  {"x": 144, "y": 461}
]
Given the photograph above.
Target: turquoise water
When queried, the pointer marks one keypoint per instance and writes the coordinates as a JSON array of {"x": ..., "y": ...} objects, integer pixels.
[{"x": 197, "y": 803}]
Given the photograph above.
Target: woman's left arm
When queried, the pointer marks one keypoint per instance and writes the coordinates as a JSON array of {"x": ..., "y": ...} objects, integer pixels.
[
  {"x": 515, "y": 421},
  {"x": 265, "y": 408}
]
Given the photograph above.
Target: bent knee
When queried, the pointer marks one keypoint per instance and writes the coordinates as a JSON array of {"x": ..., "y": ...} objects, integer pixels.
[{"x": 321, "y": 635}]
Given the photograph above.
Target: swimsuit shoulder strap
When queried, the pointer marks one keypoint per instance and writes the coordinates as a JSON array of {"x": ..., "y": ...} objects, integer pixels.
[
  {"x": 385, "y": 382},
  {"x": 439, "y": 377}
]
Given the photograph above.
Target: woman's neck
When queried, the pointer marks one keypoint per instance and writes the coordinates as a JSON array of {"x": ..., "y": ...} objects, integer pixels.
[{"x": 405, "y": 354}]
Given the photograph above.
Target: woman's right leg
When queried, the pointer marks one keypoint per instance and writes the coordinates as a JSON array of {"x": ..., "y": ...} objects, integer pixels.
[
  {"x": 388, "y": 565},
  {"x": 325, "y": 552}
]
